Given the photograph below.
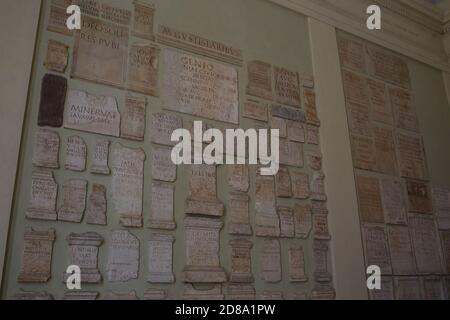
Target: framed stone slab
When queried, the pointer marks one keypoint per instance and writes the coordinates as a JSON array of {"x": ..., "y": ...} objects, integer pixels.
[
  {"x": 351, "y": 54},
  {"x": 312, "y": 117},
  {"x": 255, "y": 110},
  {"x": 271, "y": 261},
  {"x": 74, "y": 201},
  {"x": 46, "y": 149},
  {"x": 298, "y": 296},
  {"x": 386, "y": 293},
  {"x": 162, "y": 208},
  {"x": 386, "y": 160},
  {"x": 163, "y": 124},
  {"x": 320, "y": 226},
  {"x": 314, "y": 160},
  {"x": 202, "y": 251},
  {"x": 320, "y": 258},
  {"x": 407, "y": 288},
  {"x": 239, "y": 214},
  {"x": 267, "y": 221},
  {"x": 120, "y": 296},
  {"x": 445, "y": 240},
  {"x": 433, "y": 289},
  {"x": 53, "y": 97},
  {"x": 287, "y": 113},
  {"x": 57, "y": 56},
  {"x": 133, "y": 119},
  {"x": 286, "y": 86},
  {"x": 97, "y": 205},
  {"x": 291, "y": 153},
  {"x": 202, "y": 198},
  {"x": 359, "y": 119},
  {"x": 355, "y": 88},
  {"x": 191, "y": 293},
  {"x": 317, "y": 187},
  {"x": 155, "y": 294},
  {"x": 114, "y": 14},
  {"x": 143, "y": 65},
  {"x": 280, "y": 124},
  {"x": 369, "y": 199},
  {"x": 271, "y": 295},
  {"x": 100, "y": 157},
  {"x": 90, "y": 7},
  {"x": 295, "y": 131},
  {"x": 393, "y": 200},
  {"x": 80, "y": 295},
  {"x": 163, "y": 169},
  {"x": 312, "y": 135},
  {"x": 323, "y": 292},
  {"x": 32, "y": 295},
  {"x": 260, "y": 80},
  {"x": 302, "y": 221},
  {"x": 160, "y": 259},
  {"x": 92, "y": 113},
  {"x": 241, "y": 292},
  {"x": 380, "y": 106},
  {"x": 57, "y": 21},
  {"x": 300, "y": 184},
  {"x": 296, "y": 263},
  {"x": 376, "y": 248},
  {"x": 411, "y": 156},
  {"x": 83, "y": 252},
  {"x": 363, "y": 152},
  {"x": 127, "y": 184},
  {"x": 143, "y": 20},
  {"x": 441, "y": 202},
  {"x": 426, "y": 244},
  {"x": 123, "y": 257},
  {"x": 387, "y": 66},
  {"x": 283, "y": 185},
  {"x": 76, "y": 153},
  {"x": 241, "y": 264},
  {"x": 44, "y": 190},
  {"x": 419, "y": 196},
  {"x": 238, "y": 177},
  {"x": 286, "y": 222},
  {"x": 187, "y": 90},
  {"x": 36, "y": 256},
  {"x": 100, "y": 52},
  {"x": 404, "y": 110}
]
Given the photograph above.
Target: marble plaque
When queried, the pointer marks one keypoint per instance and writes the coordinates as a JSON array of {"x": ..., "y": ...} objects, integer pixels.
[
  {"x": 202, "y": 251},
  {"x": 311, "y": 115},
  {"x": 83, "y": 252},
  {"x": 90, "y": 7},
  {"x": 271, "y": 261},
  {"x": 419, "y": 196},
  {"x": 287, "y": 113},
  {"x": 123, "y": 256},
  {"x": 359, "y": 119},
  {"x": 411, "y": 156},
  {"x": 239, "y": 214},
  {"x": 120, "y": 296},
  {"x": 100, "y": 157},
  {"x": 363, "y": 152},
  {"x": 92, "y": 113},
  {"x": 291, "y": 153},
  {"x": 379, "y": 104},
  {"x": 320, "y": 226},
  {"x": 53, "y": 97},
  {"x": 200, "y": 87},
  {"x": 255, "y": 110},
  {"x": 441, "y": 201},
  {"x": 155, "y": 294},
  {"x": 295, "y": 131},
  {"x": 238, "y": 177},
  {"x": 407, "y": 288},
  {"x": 74, "y": 201},
  {"x": 300, "y": 184},
  {"x": 163, "y": 169},
  {"x": 296, "y": 263},
  {"x": 117, "y": 15},
  {"x": 160, "y": 259},
  {"x": 317, "y": 187},
  {"x": 36, "y": 256},
  {"x": 323, "y": 292},
  {"x": 133, "y": 119},
  {"x": 241, "y": 264},
  {"x": 57, "y": 56},
  {"x": 314, "y": 160},
  {"x": 266, "y": 218},
  {"x": 280, "y": 124},
  {"x": 426, "y": 244},
  {"x": 43, "y": 194},
  {"x": 46, "y": 149},
  {"x": 283, "y": 183},
  {"x": 320, "y": 258},
  {"x": 286, "y": 222},
  {"x": 312, "y": 135},
  {"x": 162, "y": 209},
  {"x": 76, "y": 153},
  {"x": 163, "y": 124},
  {"x": 386, "y": 293},
  {"x": 433, "y": 289},
  {"x": 355, "y": 88},
  {"x": 286, "y": 86},
  {"x": 143, "y": 20},
  {"x": 100, "y": 52},
  {"x": 127, "y": 184},
  {"x": 241, "y": 292},
  {"x": 351, "y": 54},
  {"x": 319, "y": 207},
  {"x": 214, "y": 293},
  {"x": 271, "y": 295},
  {"x": 404, "y": 110},
  {"x": 260, "y": 80},
  {"x": 369, "y": 198},
  {"x": 202, "y": 198},
  {"x": 57, "y": 21},
  {"x": 97, "y": 205},
  {"x": 388, "y": 67},
  {"x": 143, "y": 68},
  {"x": 32, "y": 295},
  {"x": 445, "y": 238},
  {"x": 386, "y": 160},
  {"x": 376, "y": 248},
  {"x": 393, "y": 200},
  {"x": 302, "y": 221},
  {"x": 80, "y": 295}
]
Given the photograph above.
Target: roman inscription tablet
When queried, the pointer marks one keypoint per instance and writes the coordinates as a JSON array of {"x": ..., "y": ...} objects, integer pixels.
[
  {"x": 393, "y": 199},
  {"x": 43, "y": 194},
  {"x": 287, "y": 86},
  {"x": 400, "y": 248},
  {"x": 90, "y": 7},
  {"x": 441, "y": 201},
  {"x": 143, "y": 20},
  {"x": 419, "y": 196},
  {"x": 57, "y": 56},
  {"x": 163, "y": 168},
  {"x": 53, "y": 97},
  {"x": 100, "y": 52},
  {"x": 160, "y": 259},
  {"x": 100, "y": 157},
  {"x": 80, "y": 295},
  {"x": 163, "y": 124},
  {"x": 295, "y": 131},
  {"x": 302, "y": 221},
  {"x": 351, "y": 54},
  {"x": 97, "y": 205},
  {"x": 260, "y": 80},
  {"x": 320, "y": 258},
  {"x": 411, "y": 156},
  {"x": 162, "y": 209},
  {"x": 239, "y": 214},
  {"x": 280, "y": 124},
  {"x": 92, "y": 113},
  {"x": 57, "y": 21},
  {"x": 127, "y": 184},
  {"x": 376, "y": 248},
  {"x": 363, "y": 152},
  {"x": 200, "y": 87},
  {"x": 32, "y": 295},
  {"x": 271, "y": 295},
  {"x": 291, "y": 153},
  {"x": 320, "y": 226},
  {"x": 74, "y": 201},
  {"x": 255, "y": 110},
  {"x": 241, "y": 264},
  {"x": 300, "y": 184},
  {"x": 271, "y": 261},
  {"x": 312, "y": 135},
  {"x": 238, "y": 177},
  {"x": 36, "y": 256},
  {"x": 297, "y": 263},
  {"x": 155, "y": 294},
  {"x": 359, "y": 119},
  {"x": 117, "y": 15},
  {"x": 120, "y": 296},
  {"x": 369, "y": 198},
  {"x": 386, "y": 160},
  {"x": 317, "y": 187},
  {"x": 314, "y": 160},
  {"x": 287, "y": 113},
  {"x": 310, "y": 107},
  {"x": 143, "y": 69},
  {"x": 76, "y": 153},
  {"x": 266, "y": 218},
  {"x": 214, "y": 293},
  {"x": 123, "y": 257},
  {"x": 404, "y": 109},
  {"x": 355, "y": 88},
  {"x": 407, "y": 288},
  {"x": 46, "y": 149},
  {"x": 283, "y": 183},
  {"x": 241, "y": 292},
  {"x": 379, "y": 103},
  {"x": 286, "y": 222},
  {"x": 133, "y": 119}
]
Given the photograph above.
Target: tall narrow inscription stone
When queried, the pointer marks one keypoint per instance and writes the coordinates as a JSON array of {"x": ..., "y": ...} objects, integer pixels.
[
  {"x": 419, "y": 196},
  {"x": 302, "y": 221},
  {"x": 100, "y": 157},
  {"x": 271, "y": 261},
  {"x": 238, "y": 177},
  {"x": 239, "y": 214},
  {"x": 57, "y": 56},
  {"x": 97, "y": 205},
  {"x": 321, "y": 271},
  {"x": 411, "y": 156},
  {"x": 297, "y": 263},
  {"x": 369, "y": 198},
  {"x": 287, "y": 229},
  {"x": 376, "y": 248},
  {"x": 163, "y": 168},
  {"x": 163, "y": 124},
  {"x": 143, "y": 20},
  {"x": 76, "y": 153},
  {"x": 287, "y": 86},
  {"x": 160, "y": 258},
  {"x": 74, "y": 201},
  {"x": 300, "y": 184},
  {"x": 260, "y": 80},
  {"x": 46, "y": 149},
  {"x": 133, "y": 119},
  {"x": 143, "y": 69},
  {"x": 266, "y": 217},
  {"x": 317, "y": 186},
  {"x": 53, "y": 97},
  {"x": 400, "y": 249},
  {"x": 123, "y": 257},
  {"x": 241, "y": 264},
  {"x": 43, "y": 194},
  {"x": 283, "y": 184},
  {"x": 162, "y": 209}
]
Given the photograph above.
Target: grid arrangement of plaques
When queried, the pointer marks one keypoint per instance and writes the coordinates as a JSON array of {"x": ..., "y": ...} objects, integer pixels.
[
  {"x": 405, "y": 221},
  {"x": 117, "y": 210}
]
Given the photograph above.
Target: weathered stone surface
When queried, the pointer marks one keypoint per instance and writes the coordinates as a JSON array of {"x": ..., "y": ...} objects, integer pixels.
[
  {"x": 407, "y": 288},
  {"x": 311, "y": 115},
  {"x": 160, "y": 257},
  {"x": 238, "y": 177},
  {"x": 296, "y": 263},
  {"x": 80, "y": 295},
  {"x": 271, "y": 261},
  {"x": 57, "y": 56},
  {"x": 286, "y": 86},
  {"x": 352, "y": 54},
  {"x": 355, "y": 88},
  {"x": 287, "y": 113},
  {"x": 369, "y": 198},
  {"x": 191, "y": 293},
  {"x": 411, "y": 156},
  {"x": 323, "y": 292},
  {"x": 260, "y": 80},
  {"x": 287, "y": 229},
  {"x": 97, "y": 205},
  {"x": 143, "y": 66},
  {"x": 266, "y": 218},
  {"x": 320, "y": 226},
  {"x": 32, "y": 295},
  {"x": 74, "y": 201},
  {"x": 162, "y": 209},
  {"x": 255, "y": 110},
  {"x": 53, "y": 97},
  {"x": 46, "y": 149},
  {"x": 441, "y": 202},
  {"x": 386, "y": 292},
  {"x": 163, "y": 168},
  {"x": 302, "y": 221},
  {"x": 241, "y": 264},
  {"x": 241, "y": 292},
  {"x": 43, "y": 194},
  {"x": 271, "y": 295},
  {"x": 404, "y": 109},
  {"x": 163, "y": 124},
  {"x": 363, "y": 152},
  {"x": 393, "y": 200},
  {"x": 386, "y": 160},
  {"x": 419, "y": 196},
  {"x": 280, "y": 124},
  {"x": 283, "y": 183},
  {"x": 123, "y": 257},
  {"x": 291, "y": 153},
  {"x": 296, "y": 131},
  {"x": 239, "y": 214},
  {"x": 433, "y": 289},
  {"x": 143, "y": 20},
  {"x": 100, "y": 158},
  {"x": 317, "y": 187},
  {"x": 133, "y": 119},
  {"x": 312, "y": 135},
  {"x": 76, "y": 153},
  {"x": 401, "y": 251},
  {"x": 376, "y": 248},
  {"x": 120, "y": 296},
  {"x": 321, "y": 271},
  {"x": 314, "y": 160},
  {"x": 380, "y": 106},
  {"x": 155, "y": 294},
  {"x": 117, "y": 15},
  {"x": 300, "y": 184}
]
